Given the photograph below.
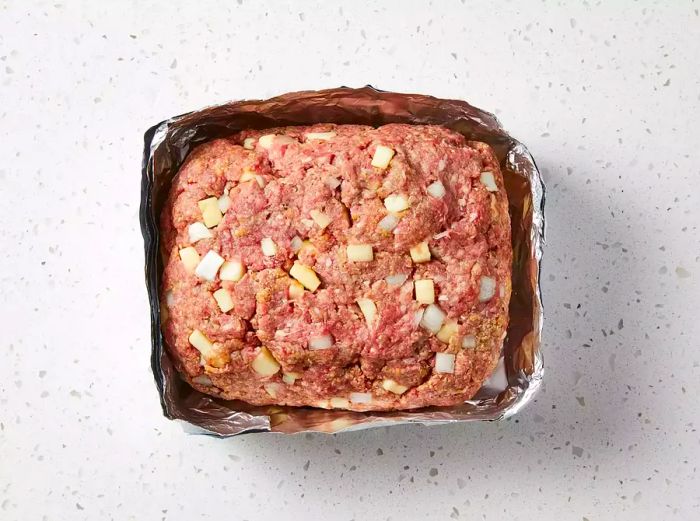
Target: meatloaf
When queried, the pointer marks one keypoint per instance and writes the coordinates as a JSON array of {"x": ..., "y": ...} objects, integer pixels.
[{"x": 337, "y": 266}]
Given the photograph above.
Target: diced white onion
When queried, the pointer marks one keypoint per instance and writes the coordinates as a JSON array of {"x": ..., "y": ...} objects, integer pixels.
[
  {"x": 418, "y": 316},
  {"x": 169, "y": 298},
  {"x": 396, "y": 280},
  {"x": 268, "y": 246},
  {"x": 487, "y": 288},
  {"x": 203, "y": 379},
  {"x": 441, "y": 235},
  {"x": 393, "y": 386},
  {"x": 368, "y": 308},
  {"x": 232, "y": 270},
  {"x": 224, "y": 203},
  {"x": 332, "y": 183},
  {"x": 436, "y": 189},
  {"x": 273, "y": 388},
  {"x": 433, "y": 317},
  {"x": 339, "y": 403},
  {"x": 250, "y": 176},
  {"x": 388, "y": 222},
  {"x": 296, "y": 243},
  {"x": 441, "y": 165},
  {"x": 502, "y": 290},
  {"x": 382, "y": 156},
  {"x": 396, "y": 203},
  {"x": 360, "y": 252},
  {"x": 290, "y": 378},
  {"x": 322, "y": 136},
  {"x": 488, "y": 181},
  {"x": 469, "y": 342},
  {"x": 209, "y": 265},
  {"x": 361, "y": 397},
  {"x": 198, "y": 231},
  {"x": 249, "y": 143},
  {"x": 444, "y": 363},
  {"x": 321, "y": 342}
]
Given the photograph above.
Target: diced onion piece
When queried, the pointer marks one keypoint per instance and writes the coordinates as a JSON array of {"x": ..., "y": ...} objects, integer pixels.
[
  {"x": 393, "y": 387},
  {"x": 201, "y": 343},
  {"x": 469, "y": 342},
  {"x": 249, "y": 143},
  {"x": 290, "y": 378},
  {"x": 396, "y": 203},
  {"x": 232, "y": 270},
  {"x": 369, "y": 309},
  {"x": 203, "y": 379},
  {"x": 339, "y": 403},
  {"x": 420, "y": 252},
  {"x": 322, "y": 136},
  {"x": 321, "y": 342},
  {"x": 441, "y": 235},
  {"x": 209, "y": 266},
  {"x": 296, "y": 243},
  {"x": 247, "y": 175},
  {"x": 447, "y": 331},
  {"x": 305, "y": 275},
  {"x": 223, "y": 299},
  {"x": 210, "y": 211},
  {"x": 332, "y": 183},
  {"x": 502, "y": 290},
  {"x": 272, "y": 389},
  {"x": 425, "y": 291},
  {"x": 296, "y": 290},
  {"x": 224, "y": 202},
  {"x": 361, "y": 397},
  {"x": 323, "y": 404},
  {"x": 264, "y": 363},
  {"x": 266, "y": 140},
  {"x": 320, "y": 218},
  {"x": 360, "y": 252},
  {"x": 436, "y": 189},
  {"x": 418, "y": 316},
  {"x": 396, "y": 280},
  {"x": 268, "y": 246},
  {"x": 169, "y": 298},
  {"x": 444, "y": 363},
  {"x": 388, "y": 222},
  {"x": 488, "y": 181},
  {"x": 198, "y": 231},
  {"x": 487, "y": 288},
  {"x": 382, "y": 156},
  {"x": 189, "y": 258},
  {"x": 433, "y": 317}
]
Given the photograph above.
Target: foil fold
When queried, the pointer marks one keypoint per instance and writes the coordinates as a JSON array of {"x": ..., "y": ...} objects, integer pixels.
[{"x": 520, "y": 370}]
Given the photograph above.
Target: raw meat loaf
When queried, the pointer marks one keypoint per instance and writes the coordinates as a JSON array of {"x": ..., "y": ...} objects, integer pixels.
[{"x": 337, "y": 266}]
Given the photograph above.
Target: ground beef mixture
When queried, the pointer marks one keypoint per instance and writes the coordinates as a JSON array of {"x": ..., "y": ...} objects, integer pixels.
[{"x": 337, "y": 266}]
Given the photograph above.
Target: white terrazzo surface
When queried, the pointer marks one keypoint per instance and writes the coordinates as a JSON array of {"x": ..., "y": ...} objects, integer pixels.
[{"x": 606, "y": 96}]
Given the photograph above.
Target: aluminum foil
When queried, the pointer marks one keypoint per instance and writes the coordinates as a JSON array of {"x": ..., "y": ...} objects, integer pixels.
[{"x": 520, "y": 369}]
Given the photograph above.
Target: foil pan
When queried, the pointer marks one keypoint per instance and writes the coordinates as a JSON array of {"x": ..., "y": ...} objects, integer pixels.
[{"x": 520, "y": 369}]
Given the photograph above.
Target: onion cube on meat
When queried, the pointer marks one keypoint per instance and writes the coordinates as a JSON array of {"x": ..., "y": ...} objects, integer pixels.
[
  {"x": 320, "y": 218},
  {"x": 223, "y": 299},
  {"x": 420, "y": 252},
  {"x": 425, "y": 291},
  {"x": 169, "y": 298},
  {"x": 361, "y": 397},
  {"x": 321, "y": 342},
  {"x": 339, "y": 403},
  {"x": 290, "y": 378},
  {"x": 210, "y": 211},
  {"x": 232, "y": 270},
  {"x": 388, "y": 222},
  {"x": 296, "y": 290},
  {"x": 393, "y": 387},
  {"x": 264, "y": 363},
  {"x": 305, "y": 275},
  {"x": 332, "y": 183},
  {"x": 321, "y": 136},
  {"x": 198, "y": 231},
  {"x": 433, "y": 317},
  {"x": 487, "y": 288},
  {"x": 201, "y": 343},
  {"x": 368, "y": 308},
  {"x": 469, "y": 342},
  {"x": 247, "y": 175},
  {"x": 488, "y": 181},
  {"x": 272, "y": 389},
  {"x": 296, "y": 243},
  {"x": 224, "y": 203},
  {"x": 249, "y": 143},
  {"x": 396, "y": 280},
  {"x": 189, "y": 258},
  {"x": 266, "y": 140},
  {"x": 447, "y": 331},
  {"x": 360, "y": 252},
  {"x": 203, "y": 379},
  {"x": 268, "y": 247},
  {"x": 396, "y": 203},
  {"x": 436, "y": 189},
  {"x": 209, "y": 266},
  {"x": 445, "y": 363},
  {"x": 382, "y": 156}
]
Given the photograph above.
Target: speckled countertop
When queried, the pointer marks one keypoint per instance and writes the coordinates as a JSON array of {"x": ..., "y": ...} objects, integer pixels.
[{"x": 605, "y": 96}]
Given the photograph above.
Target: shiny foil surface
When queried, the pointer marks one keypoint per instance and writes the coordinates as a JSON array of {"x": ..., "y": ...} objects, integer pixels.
[{"x": 520, "y": 369}]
